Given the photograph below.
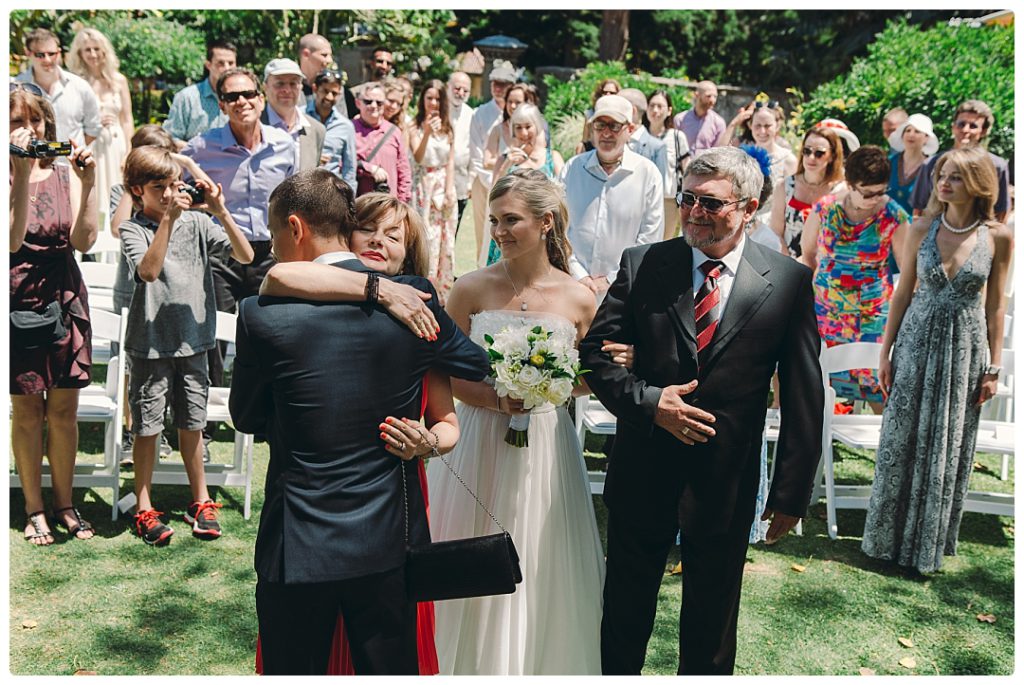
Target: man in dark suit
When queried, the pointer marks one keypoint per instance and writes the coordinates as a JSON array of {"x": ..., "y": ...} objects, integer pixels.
[
  {"x": 710, "y": 314},
  {"x": 317, "y": 379}
]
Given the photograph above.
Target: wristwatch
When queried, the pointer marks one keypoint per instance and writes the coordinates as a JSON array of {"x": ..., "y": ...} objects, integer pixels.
[{"x": 992, "y": 370}]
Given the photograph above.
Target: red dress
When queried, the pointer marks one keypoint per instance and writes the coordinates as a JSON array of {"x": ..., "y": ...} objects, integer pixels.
[{"x": 340, "y": 662}]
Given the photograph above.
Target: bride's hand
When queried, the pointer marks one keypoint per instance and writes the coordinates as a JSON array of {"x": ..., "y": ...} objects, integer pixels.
[
  {"x": 507, "y": 405},
  {"x": 406, "y": 438},
  {"x": 621, "y": 353},
  {"x": 407, "y": 304}
]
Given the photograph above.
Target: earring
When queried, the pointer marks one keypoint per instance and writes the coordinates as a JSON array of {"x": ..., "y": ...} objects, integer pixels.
[{"x": 544, "y": 235}]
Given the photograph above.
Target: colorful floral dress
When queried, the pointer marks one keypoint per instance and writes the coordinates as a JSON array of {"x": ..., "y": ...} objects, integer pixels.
[
  {"x": 428, "y": 197},
  {"x": 852, "y": 286}
]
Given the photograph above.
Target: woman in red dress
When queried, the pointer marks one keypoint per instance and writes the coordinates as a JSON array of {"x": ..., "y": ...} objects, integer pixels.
[{"x": 390, "y": 239}]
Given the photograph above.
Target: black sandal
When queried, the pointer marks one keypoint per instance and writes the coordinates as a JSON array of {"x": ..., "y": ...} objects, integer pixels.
[
  {"x": 80, "y": 526},
  {"x": 39, "y": 534}
]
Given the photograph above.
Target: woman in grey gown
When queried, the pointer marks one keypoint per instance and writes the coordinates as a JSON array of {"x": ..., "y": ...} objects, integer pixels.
[{"x": 945, "y": 332}]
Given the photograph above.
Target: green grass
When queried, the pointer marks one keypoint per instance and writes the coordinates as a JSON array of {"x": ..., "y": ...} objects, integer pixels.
[{"x": 115, "y": 606}]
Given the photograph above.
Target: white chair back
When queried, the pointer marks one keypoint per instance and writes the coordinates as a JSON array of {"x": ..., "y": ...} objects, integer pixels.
[{"x": 99, "y": 275}]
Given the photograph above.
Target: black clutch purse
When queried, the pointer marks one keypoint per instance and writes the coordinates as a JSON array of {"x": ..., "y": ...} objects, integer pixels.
[
  {"x": 32, "y": 330},
  {"x": 456, "y": 569}
]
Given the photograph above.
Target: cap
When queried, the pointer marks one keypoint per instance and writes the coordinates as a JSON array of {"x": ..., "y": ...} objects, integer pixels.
[
  {"x": 280, "y": 67},
  {"x": 614, "y": 107}
]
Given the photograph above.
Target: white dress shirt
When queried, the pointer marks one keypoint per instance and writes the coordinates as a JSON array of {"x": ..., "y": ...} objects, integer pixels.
[
  {"x": 461, "y": 119},
  {"x": 485, "y": 118},
  {"x": 608, "y": 213},
  {"x": 334, "y": 257},
  {"x": 75, "y": 106},
  {"x": 727, "y": 277}
]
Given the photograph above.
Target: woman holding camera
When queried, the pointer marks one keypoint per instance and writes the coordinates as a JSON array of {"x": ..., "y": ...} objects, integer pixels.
[{"x": 53, "y": 213}]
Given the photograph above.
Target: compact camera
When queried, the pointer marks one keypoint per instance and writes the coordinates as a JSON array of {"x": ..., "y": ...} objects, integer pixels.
[{"x": 198, "y": 195}]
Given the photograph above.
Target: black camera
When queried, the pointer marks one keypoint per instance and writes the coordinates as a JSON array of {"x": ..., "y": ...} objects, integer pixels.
[
  {"x": 42, "y": 149},
  {"x": 198, "y": 195}
]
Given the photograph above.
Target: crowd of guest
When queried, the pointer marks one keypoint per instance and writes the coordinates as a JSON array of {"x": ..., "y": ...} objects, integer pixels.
[{"x": 870, "y": 223}]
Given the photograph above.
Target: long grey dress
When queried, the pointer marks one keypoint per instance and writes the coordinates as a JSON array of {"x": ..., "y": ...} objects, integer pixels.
[{"x": 930, "y": 421}]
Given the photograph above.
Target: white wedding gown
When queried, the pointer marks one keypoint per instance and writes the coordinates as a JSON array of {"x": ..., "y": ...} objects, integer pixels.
[{"x": 541, "y": 495}]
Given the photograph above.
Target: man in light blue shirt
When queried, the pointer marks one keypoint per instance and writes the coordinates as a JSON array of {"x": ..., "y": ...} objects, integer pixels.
[
  {"x": 248, "y": 159},
  {"x": 196, "y": 109},
  {"x": 339, "y": 153}
]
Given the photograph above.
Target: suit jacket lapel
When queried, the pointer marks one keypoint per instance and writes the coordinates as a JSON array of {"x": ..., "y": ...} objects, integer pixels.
[
  {"x": 676, "y": 276},
  {"x": 749, "y": 290}
]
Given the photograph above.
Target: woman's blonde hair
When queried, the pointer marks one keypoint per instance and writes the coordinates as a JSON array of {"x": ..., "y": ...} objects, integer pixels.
[
  {"x": 979, "y": 177},
  {"x": 372, "y": 208},
  {"x": 541, "y": 196},
  {"x": 111, "y": 64}
]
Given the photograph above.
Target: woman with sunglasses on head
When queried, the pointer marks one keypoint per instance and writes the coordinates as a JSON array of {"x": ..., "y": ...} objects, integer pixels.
[
  {"x": 819, "y": 172},
  {"x": 92, "y": 57},
  {"x": 431, "y": 141},
  {"x": 847, "y": 240},
  {"x": 53, "y": 214},
  {"x": 658, "y": 120},
  {"x": 945, "y": 336}
]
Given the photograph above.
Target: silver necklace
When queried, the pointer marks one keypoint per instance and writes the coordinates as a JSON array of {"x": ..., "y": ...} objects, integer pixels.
[
  {"x": 958, "y": 231},
  {"x": 522, "y": 300}
]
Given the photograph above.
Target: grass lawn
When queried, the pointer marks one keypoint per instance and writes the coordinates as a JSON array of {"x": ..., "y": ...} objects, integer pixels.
[{"x": 115, "y": 606}]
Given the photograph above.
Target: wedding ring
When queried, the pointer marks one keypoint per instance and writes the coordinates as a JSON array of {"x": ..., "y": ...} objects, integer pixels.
[
  {"x": 686, "y": 431},
  {"x": 401, "y": 447}
]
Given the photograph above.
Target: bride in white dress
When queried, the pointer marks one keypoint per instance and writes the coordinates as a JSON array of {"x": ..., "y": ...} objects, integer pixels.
[{"x": 539, "y": 493}]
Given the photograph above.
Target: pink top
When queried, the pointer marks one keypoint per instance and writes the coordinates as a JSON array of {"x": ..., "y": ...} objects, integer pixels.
[{"x": 393, "y": 156}]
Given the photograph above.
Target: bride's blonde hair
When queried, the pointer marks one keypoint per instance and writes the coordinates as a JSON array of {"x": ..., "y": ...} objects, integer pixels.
[{"x": 541, "y": 196}]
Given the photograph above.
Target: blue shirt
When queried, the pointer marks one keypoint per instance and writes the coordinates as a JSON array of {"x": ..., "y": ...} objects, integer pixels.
[
  {"x": 194, "y": 110},
  {"x": 248, "y": 177},
  {"x": 339, "y": 144}
]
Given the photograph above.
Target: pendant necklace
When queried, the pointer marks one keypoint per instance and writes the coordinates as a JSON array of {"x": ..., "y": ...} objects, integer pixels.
[
  {"x": 957, "y": 231},
  {"x": 522, "y": 300},
  {"x": 32, "y": 197}
]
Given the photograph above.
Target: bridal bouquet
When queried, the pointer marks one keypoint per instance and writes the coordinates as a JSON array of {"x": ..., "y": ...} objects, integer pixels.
[{"x": 535, "y": 365}]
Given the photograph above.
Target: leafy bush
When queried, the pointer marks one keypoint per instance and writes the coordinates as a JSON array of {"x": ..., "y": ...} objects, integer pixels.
[
  {"x": 569, "y": 99},
  {"x": 923, "y": 70},
  {"x": 154, "y": 48}
]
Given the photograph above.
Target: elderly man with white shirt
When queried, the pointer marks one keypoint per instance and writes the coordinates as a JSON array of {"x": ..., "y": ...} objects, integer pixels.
[
  {"x": 614, "y": 197},
  {"x": 460, "y": 114},
  {"x": 485, "y": 118},
  {"x": 282, "y": 79}
]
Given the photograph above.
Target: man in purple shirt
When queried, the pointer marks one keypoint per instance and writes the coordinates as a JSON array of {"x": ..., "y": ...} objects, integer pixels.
[
  {"x": 378, "y": 162},
  {"x": 701, "y": 125},
  {"x": 248, "y": 159}
]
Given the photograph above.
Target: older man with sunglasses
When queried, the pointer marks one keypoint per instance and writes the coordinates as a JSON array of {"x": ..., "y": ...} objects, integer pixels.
[
  {"x": 972, "y": 122},
  {"x": 74, "y": 103},
  {"x": 381, "y": 154},
  {"x": 614, "y": 197},
  {"x": 248, "y": 159},
  {"x": 710, "y": 315}
]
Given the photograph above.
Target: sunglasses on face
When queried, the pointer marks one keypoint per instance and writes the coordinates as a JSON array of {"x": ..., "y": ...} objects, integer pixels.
[
  {"x": 27, "y": 87},
  {"x": 614, "y": 127},
  {"x": 44, "y": 55},
  {"x": 371, "y": 103},
  {"x": 817, "y": 154},
  {"x": 609, "y": 92},
  {"x": 235, "y": 95},
  {"x": 711, "y": 205}
]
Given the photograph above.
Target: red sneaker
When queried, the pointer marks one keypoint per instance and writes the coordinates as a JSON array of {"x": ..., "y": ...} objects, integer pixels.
[
  {"x": 203, "y": 517},
  {"x": 151, "y": 529}
]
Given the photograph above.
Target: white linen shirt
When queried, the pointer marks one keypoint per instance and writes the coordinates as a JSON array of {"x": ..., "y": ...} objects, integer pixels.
[
  {"x": 75, "y": 106},
  {"x": 461, "y": 119},
  {"x": 485, "y": 118},
  {"x": 727, "y": 277},
  {"x": 607, "y": 214}
]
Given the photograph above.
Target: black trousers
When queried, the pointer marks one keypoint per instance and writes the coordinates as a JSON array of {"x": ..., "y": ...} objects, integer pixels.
[
  {"x": 462, "y": 208},
  {"x": 712, "y": 575},
  {"x": 297, "y": 625},
  {"x": 232, "y": 282}
]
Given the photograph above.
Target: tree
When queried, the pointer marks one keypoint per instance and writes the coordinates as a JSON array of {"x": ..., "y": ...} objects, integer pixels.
[{"x": 614, "y": 35}]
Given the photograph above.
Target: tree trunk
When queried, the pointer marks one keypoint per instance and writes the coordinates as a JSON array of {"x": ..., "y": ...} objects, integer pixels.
[{"x": 614, "y": 34}]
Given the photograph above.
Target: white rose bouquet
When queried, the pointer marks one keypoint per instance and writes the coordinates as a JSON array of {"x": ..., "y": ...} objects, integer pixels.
[{"x": 534, "y": 365}]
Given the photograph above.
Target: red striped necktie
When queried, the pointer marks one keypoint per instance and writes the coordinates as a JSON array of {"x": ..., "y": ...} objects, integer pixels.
[{"x": 707, "y": 307}]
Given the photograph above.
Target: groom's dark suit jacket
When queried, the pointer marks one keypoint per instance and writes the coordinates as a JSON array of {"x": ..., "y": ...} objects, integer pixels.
[
  {"x": 318, "y": 379},
  {"x": 768, "y": 320}
]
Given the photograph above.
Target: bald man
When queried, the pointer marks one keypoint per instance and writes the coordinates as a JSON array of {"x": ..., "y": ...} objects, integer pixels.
[
  {"x": 315, "y": 56},
  {"x": 702, "y": 124}
]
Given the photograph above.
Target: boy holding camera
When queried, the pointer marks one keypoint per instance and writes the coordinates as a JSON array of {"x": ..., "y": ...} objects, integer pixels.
[{"x": 172, "y": 323}]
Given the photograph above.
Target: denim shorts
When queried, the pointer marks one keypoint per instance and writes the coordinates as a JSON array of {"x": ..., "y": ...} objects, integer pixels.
[{"x": 183, "y": 380}]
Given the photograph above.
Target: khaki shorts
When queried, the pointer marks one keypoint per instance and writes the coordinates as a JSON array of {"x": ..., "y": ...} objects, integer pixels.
[{"x": 152, "y": 381}]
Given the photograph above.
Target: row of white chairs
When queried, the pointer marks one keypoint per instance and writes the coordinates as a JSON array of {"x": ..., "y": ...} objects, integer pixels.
[
  {"x": 107, "y": 404},
  {"x": 995, "y": 435}
]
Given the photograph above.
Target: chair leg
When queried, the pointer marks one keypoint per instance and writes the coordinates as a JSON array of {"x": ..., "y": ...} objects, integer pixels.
[
  {"x": 1004, "y": 471},
  {"x": 830, "y": 494}
]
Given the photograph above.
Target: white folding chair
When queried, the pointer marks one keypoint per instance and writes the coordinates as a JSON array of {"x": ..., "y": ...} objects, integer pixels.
[
  {"x": 1000, "y": 409},
  {"x": 592, "y": 417},
  {"x": 101, "y": 404},
  {"x": 239, "y": 472}
]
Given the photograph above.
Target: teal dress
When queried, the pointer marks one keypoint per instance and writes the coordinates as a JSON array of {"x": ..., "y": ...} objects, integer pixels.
[{"x": 493, "y": 252}]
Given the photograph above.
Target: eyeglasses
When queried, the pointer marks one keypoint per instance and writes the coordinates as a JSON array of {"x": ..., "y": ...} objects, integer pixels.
[
  {"x": 371, "y": 103},
  {"x": 609, "y": 92},
  {"x": 771, "y": 104},
  {"x": 973, "y": 125},
  {"x": 27, "y": 87},
  {"x": 817, "y": 154},
  {"x": 868, "y": 196},
  {"x": 614, "y": 127},
  {"x": 44, "y": 55},
  {"x": 711, "y": 205},
  {"x": 234, "y": 95}
]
